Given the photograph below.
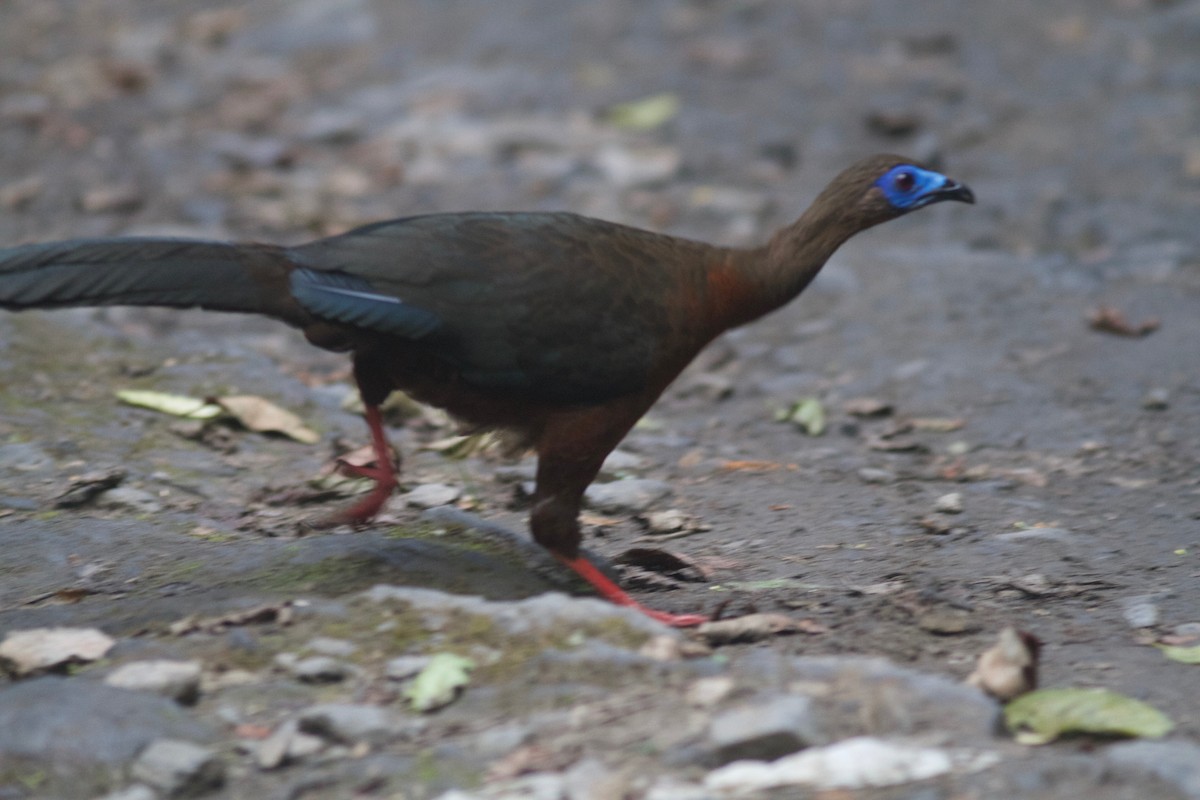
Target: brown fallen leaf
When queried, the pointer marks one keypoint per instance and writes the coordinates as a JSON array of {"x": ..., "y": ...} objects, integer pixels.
[
  {"x": 867, "y": 407},
  {"x": 1107, "y": 319},
  {"x": 262, "y": 416},
  {"x": 279, "y": 613},
  {"x": 754, "y": 628},
  {"x": 756, "y": 466},
  {"x": 1008, "y": 668},
  {"x": 938, "y": 424},
  {"x": 531, "y": 758}
]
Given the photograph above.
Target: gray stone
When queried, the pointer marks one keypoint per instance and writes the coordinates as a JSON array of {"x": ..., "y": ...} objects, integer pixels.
[
  {"x": 765, "y": 729},
  {"x": 348, "y": 723},
  {"x": 874, "y": 696},
  {"x": 431, "y": 495},
  {"x": 322, "y": 669},
  {"x": 137, "y": 500},
  {"x": 177, "y": 680},
  {"x": 876, "y": 475},
  {"x": 626, "y": 497},
  {"x": 1140, "y": 611},
  {"x": 179, "y": 768},
  {"x": 138, "y": 791},
  {"x": 286, "y": 744},
  {"x": 1176, "y": 762},
  {"x": 79, "y": 722},
  {"x": 951, "y": 503},
  {"x": 402, "y": 668},
  {"x": 328, "y": 646}
]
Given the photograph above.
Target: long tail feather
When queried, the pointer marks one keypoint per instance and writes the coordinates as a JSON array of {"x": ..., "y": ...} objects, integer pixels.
[{"x": 180, "y": 273}]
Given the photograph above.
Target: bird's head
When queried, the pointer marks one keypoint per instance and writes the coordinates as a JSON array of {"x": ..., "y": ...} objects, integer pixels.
[
  {"x": 884, "y": 187},
  {"x": 907, "y": 187}
]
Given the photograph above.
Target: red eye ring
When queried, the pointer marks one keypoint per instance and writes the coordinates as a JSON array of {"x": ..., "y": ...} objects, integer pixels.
[{"x": 905, "y": 181}]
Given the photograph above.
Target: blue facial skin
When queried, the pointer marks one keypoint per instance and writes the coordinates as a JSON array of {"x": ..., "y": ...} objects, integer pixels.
[{"x": 907, "y": 187}]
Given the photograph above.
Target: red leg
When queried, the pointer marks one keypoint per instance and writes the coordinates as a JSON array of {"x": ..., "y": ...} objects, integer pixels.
[
  {"x": 571, "y": 448},
  {"x": 615, "y": 594},
  {"x": 383, "y": 473}
]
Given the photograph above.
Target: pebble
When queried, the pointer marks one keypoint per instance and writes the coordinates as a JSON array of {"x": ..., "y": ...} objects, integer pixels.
[
  {"x": 431, "y": 495},
  {"x": 1174, "y": 762},
  {"x": 619, "y": 462},
  {"x": 322, "y": 669},
  {"x": 179, "y": 768},
  {"x": 138, "y": 791},
  {"x": 401, "y": 668},
  {"x": 766, "y": 729},
  {"x": 875, "y": 475},
  {"x": 349, "y": 723},
  {"x": 177, "y": 680},
  {"x": 626, "y": 497},
  {"x": 951, "y": 503},
  {"x": 287, "y": 744},
  {"x": 1140, "y": 611},
  {"x": 1157, "y": 399},
  {"x": 138, "y": 500},
  {"x": 328, "y": 646}
]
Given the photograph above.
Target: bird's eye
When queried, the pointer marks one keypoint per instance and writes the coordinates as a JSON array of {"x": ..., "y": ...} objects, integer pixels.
[{"x": 905, "y": 181}]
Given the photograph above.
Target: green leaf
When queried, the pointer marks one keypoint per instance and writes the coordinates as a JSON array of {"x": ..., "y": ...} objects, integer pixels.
[
  {"x": 645, "y": 114},
  {"x": 174, "y": 404},
  {"x": 807, "y": 414},
  {"x": 1044, "y": 715},
  {"x": 1184, "y": 655},
  {"x": 439, "y": 683}
]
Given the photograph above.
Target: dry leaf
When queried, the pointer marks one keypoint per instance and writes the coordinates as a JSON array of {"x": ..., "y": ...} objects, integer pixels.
[
  {"x": 754, "y": 628},
  {"x": 867, "y": 407},
  {"x": 262, "y": 416},
  {"x": 280, "y": 613},
  {"x": 1008, "y": 668},
  {"x": 1107, "y": 319}
]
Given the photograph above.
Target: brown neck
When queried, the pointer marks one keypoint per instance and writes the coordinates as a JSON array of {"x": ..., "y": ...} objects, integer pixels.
[{"x": 776, "y": 272}]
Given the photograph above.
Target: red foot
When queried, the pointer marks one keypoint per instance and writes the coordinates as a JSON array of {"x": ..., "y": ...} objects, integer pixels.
[
  {"x": 615, "y": 594},
  {"x": 383, "y": 473}
]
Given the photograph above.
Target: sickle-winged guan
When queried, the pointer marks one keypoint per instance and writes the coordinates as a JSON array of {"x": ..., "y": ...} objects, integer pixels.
[{"x": 560, "y": 329}]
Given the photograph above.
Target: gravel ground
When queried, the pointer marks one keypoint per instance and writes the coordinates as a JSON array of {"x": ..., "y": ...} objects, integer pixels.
[{"x": 1010, "y": 390}]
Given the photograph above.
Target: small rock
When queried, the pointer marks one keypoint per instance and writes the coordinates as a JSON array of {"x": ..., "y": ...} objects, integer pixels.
[
  {"x": 321, "y": 669},
  {"x": 402, "y": 668},
  {"x": 764, "y": 730},
  {"x": 115, "y": 198},
  {"x": 178, "y": 680},
  {"x": 621, "y": 461},
  {"x": 946, "y": 621},
  {"x": 626, "y": 167},
  {"x": 1157, "y": 399},
  {"x": 431, "y": 495},
  {"x": 1175, "y": 762},
  {"x": 179, "y": 768},
  {"x": 36, "y": 649},
  {"x": 349, "y": 723},
  {"x": 671, "y": 521},
  {"x": 327, "y": 646},
  {"x": 707, "y": 692},
  {"x": 1140, "y": 611},
  {"x": 626, "y": 497},
  {"x": 875, "y": 475},
  {"x": 949, "y": 503},
  {"x": 1187, "y": 629},
  {"x": 285, "y": 745},
  {"x": 138, "y": 791},
  {"x": 855, "y": 763},
  {"x": 138, "y": 500}
]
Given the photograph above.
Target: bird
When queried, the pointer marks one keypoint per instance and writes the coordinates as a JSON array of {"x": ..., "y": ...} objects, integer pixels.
[{"x": 556, "y": 329}]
